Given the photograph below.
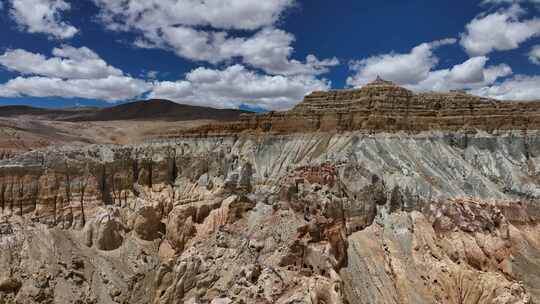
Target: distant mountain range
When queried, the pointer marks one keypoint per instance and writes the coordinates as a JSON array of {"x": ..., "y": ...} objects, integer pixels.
[{"x": 154, "y": 109}]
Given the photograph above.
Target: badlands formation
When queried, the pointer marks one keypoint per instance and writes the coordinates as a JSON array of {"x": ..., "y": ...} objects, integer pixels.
[
  {"x": 381, "y": 106},
  {"x": 375, "y": 195}
]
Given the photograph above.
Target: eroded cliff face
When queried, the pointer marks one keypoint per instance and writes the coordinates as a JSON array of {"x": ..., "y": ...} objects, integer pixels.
[
  {"x": 382, "y": 106},
  {"x": 438, "y": 217}
]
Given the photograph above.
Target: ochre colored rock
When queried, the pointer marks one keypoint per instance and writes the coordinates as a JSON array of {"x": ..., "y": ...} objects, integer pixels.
[
  {"x": 9, "y": 285},
  {"x": 384, "y": 106},
  {"x": 147, "y": 223},
  {"x": 106, "y": 231}
]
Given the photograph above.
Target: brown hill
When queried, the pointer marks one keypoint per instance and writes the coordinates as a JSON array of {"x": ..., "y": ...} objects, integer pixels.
[
  {"x": 23, "y": 128},
  {"x": 155, "y": 109},
  {"x": 160, "y": 109},
  {"x": 53, "y": 114}
]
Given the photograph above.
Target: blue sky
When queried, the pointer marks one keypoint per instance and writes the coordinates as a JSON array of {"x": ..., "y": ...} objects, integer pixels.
[{"x": 261, "y": 54}]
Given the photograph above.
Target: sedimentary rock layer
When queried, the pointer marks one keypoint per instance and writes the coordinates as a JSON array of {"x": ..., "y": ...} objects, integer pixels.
[
  {"x": 432, "y": 217},
  {"x": 384, "y": 106}
]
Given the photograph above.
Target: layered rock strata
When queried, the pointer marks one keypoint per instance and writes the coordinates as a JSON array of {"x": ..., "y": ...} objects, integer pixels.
[
  {"x": 445, "y": 217},
  {"x": 384, "y": 106}
]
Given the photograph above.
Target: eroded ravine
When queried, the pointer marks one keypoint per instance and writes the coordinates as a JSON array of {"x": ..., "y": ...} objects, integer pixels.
[{"x": 310, "y": 218}]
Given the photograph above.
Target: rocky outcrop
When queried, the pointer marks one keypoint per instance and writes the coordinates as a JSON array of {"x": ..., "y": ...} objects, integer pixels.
[
  {"x": 431, "y": 217},
  {"x": 384, "y": 106},
  {"x": 105, "y": 231},
  {"x": 147, "y": 223}
]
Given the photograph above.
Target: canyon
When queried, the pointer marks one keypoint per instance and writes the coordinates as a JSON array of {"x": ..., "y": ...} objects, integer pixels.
[{"x": 371, "y": 195}]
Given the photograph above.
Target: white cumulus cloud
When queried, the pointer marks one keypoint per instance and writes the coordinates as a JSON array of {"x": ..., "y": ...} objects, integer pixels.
[
  {"x": 416, "y": 70},
  {"x": 269, "y": 49},
  {"x": 471, "y": 71},
  {"x": 81, "y": 73},
  {"x": 68, "y": 62},
  {"x": 43, "y": 16},
  {"x": 519, "y": 87},
  {"x": 470, "y": 74},
  {"x": 534, "y": 54},
  {"x": 408, "y": 68},
  {"x": 111, "y": 88},
  {"x": 71, "y": 73},
  {"x": 496, "y": 2},
  {"x": 235, "y": 85},
  {"x": 501, "y": 30},
  {"x": 208, "y": 31},
  {"x": 222, "y": 14}
]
